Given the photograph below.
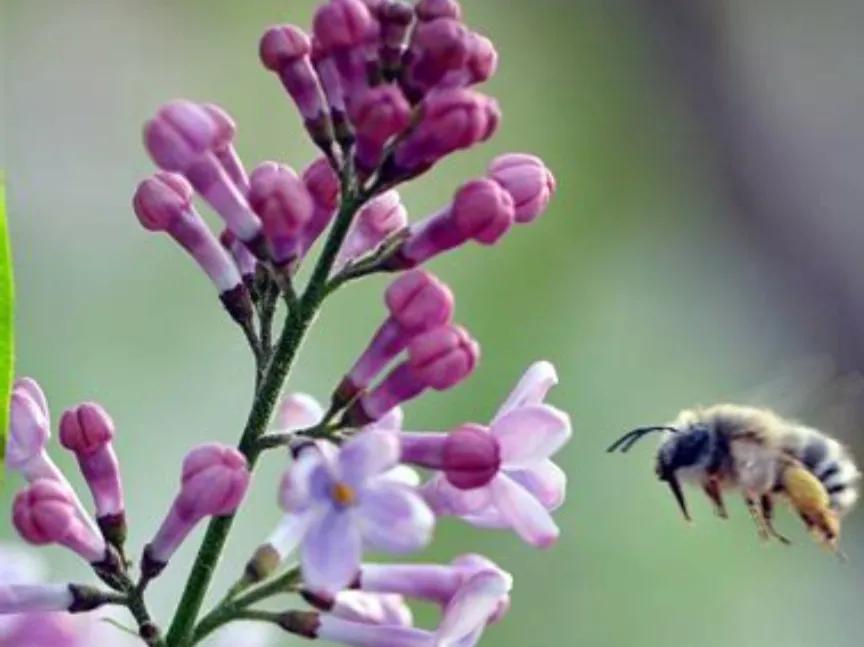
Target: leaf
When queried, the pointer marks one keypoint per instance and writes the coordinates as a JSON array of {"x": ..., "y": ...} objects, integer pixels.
[{"x": 6, "y": 322}]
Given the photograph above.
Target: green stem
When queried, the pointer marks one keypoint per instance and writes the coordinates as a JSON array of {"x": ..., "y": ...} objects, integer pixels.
[
  {"x": 229, "y": 611},
  {"x": 266, "y": 397}
]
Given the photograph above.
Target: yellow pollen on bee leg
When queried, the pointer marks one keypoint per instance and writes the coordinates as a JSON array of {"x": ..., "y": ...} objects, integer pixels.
[{"x": 343, "y": 494}]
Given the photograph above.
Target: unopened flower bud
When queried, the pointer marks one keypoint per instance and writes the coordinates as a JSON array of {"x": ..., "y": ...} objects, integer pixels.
[
  {"x": 343, "y": 29},
  {"x": 322, "y": 183},
  {"x": 450, "y": 120},
  {"x": 244, "y": 260},
  {"x": 395, "y": 17},
  {"x": 214, "y": 482},
  {"x": 380, "y": 218},
  {"x": 280, "y": 199},
  {"x": 223, "y": 147},
  {"x": 379, "y": 114},
  {"x": 428, "y": 10},
  {"x": 481, "y": 211},
  {"x": 183, "y": 137},
  {"x": 164, "y": 203},
  {"x": 438, "y": 47},
  {"x": 88, "y": 431},
  {"x": 480, "y": 65},
  {"x": 45, "y": 513},
  {"x": 439, "y": 359},
  {"x": 285, "y": 50},
  {"x": 527, "y": 180},
  {"x": 417, "y": 302}
]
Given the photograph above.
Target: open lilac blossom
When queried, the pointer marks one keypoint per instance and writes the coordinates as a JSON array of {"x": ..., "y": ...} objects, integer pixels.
[
  {"x": 338, "y": 502},
  {"x": 379, "y": 219},
  {"x": 164, "y": 203},
  {"x": 438, "y": 359},
  {"x": 88, "y": 431},
  {"x": 417, "y": 301},
  {"x": 527, "y": 485}
]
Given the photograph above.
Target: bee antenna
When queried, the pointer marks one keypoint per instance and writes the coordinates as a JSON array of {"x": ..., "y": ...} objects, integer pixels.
[{"x": 631, "y": 437}]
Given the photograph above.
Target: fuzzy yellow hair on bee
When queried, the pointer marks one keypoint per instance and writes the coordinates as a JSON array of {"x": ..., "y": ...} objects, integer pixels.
[{"x": 764, "y": 457}]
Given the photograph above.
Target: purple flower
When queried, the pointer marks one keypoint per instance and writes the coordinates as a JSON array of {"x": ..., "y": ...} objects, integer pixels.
[
  {"x": 527, "y": 485},
  {"x": 340, "y": 500}
]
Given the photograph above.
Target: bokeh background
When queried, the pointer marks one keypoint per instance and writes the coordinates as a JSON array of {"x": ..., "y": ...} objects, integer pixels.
[{"x": 704, "y": 245}]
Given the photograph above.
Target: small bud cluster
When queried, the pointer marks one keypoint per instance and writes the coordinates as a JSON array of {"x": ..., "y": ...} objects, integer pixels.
[{"x": 385, "y": 90}]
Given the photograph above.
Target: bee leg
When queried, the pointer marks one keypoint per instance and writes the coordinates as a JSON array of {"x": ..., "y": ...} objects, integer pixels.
[
  {"x": 756, "y": 513},
  {"x": 712, "y": 491},
  {"x": 767, "y": 505}
]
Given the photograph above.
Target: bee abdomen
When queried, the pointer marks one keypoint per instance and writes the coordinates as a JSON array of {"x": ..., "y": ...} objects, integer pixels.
[{"x": 831, "y": 463}]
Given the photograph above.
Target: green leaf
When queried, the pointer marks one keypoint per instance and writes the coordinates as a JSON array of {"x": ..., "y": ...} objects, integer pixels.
[{"x": 6, "y": 323}]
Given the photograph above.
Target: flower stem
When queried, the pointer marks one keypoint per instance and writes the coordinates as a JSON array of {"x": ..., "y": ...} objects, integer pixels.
[{"x": 266, "y": 397}]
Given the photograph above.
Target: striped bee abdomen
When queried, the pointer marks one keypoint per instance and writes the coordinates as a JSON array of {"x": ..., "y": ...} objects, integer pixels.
[{"x": 828, "y": 461}]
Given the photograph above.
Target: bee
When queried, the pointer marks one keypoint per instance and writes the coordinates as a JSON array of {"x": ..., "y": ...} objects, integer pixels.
[{"x": 763, "y": 456}]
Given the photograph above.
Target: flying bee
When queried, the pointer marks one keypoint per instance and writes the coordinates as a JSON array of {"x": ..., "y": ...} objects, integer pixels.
[{"x": 731, "y": 447}]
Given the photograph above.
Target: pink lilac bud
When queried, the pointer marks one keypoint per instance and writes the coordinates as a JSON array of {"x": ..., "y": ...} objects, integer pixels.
[
  {"x": 164, "y": 203},
  {"x": 342, "y": 28},
  {"x": 244, "y": 260},
  {"x": 285, "y": 50},
  {"x": 381, "y": 218},
  {"x": 334, "y": 93},
  {"x": 450, "y": 120},
  {"x": 428, "y": 10},
  {"x": 322, "y": 183},
  {"x": 469, "y": 456},
  {"x": 298, "y": 411},
  {"x": 437, "y": 48},
  {"x": 395, "y": 17},
  {"x": 182, "y": 138},
  {"x": 481, "y": 211},
  {"x": 280, "y": 199},
  {"x": 527, "y": 180},
  {"x": 480, "y": 66},
  {"x": 439, "y": 359},
  {"x": 378, "y": 115},
  {"x": 223, "y": 147},
  {"x": 45, "y": 513},
  {"x": 88, "y": 431},
  {"x": 214, "y": 482},
  {"x": 417, "y": 302}
]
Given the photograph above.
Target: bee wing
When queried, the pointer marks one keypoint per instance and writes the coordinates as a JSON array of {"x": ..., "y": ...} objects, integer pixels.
[{"x": 813, "y": 389}]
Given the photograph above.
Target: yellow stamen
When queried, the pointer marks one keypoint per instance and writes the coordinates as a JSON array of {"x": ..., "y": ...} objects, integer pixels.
[{"x": 343, "y": 494}]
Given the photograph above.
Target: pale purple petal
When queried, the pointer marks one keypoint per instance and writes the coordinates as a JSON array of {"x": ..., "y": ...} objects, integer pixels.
[
  {"x": 247, "y": 634},
  {"x": 545, "y": 480},
  {"x": 331, "y": 552},
  {"x": 475, "y": 602},
  {"x": 404, "y": 475},
  {"x": 359, "y": 634},
  {"x": 394, "y": 518},
  {"x": 527, "y": 516},
  {"x": 530, "y": 434},
  {"x": 373, "y": 608},
  {"x": 290, "y": 531},
  {"x": 368, "y": 454},
  {"x": 444, "y": 499},
  {"x": 298, "y": 411},
  {"x": 301, "y": 482},
  {"x": 532, "y": 387},
  {"x": 390, "y": 421}
]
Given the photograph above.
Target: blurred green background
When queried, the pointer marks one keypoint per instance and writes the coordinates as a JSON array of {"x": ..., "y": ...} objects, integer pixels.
[{"x": 704, "y": 242}]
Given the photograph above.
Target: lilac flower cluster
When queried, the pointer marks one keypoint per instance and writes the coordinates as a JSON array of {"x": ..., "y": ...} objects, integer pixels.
[{"x": 385, "y": 90}]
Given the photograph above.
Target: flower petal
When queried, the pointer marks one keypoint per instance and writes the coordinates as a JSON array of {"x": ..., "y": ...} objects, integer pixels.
[
  {"x": 359, "y": 634},
  {"x": 403, "y": 474},
  {"x": 545, "y": 480},
  {"x": 475, "y": 602},
  {"x": 445, "y": 499},
  {"x": 530, "y": 434},
  {"x": 290, "y": 531},
  {"x": 303, "y": 480},
  {"x": 531, "y": 388},
  {"x": 373, "y": 608},
  {"x": 527, "y": 516},
  {"x": 390, "y": 421},
  {"x": 394, "y": 518},
  {"x": 298, "y": 411},
  {"x": 368, "y": 454},
  {"x": 331, "y": 552}
]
